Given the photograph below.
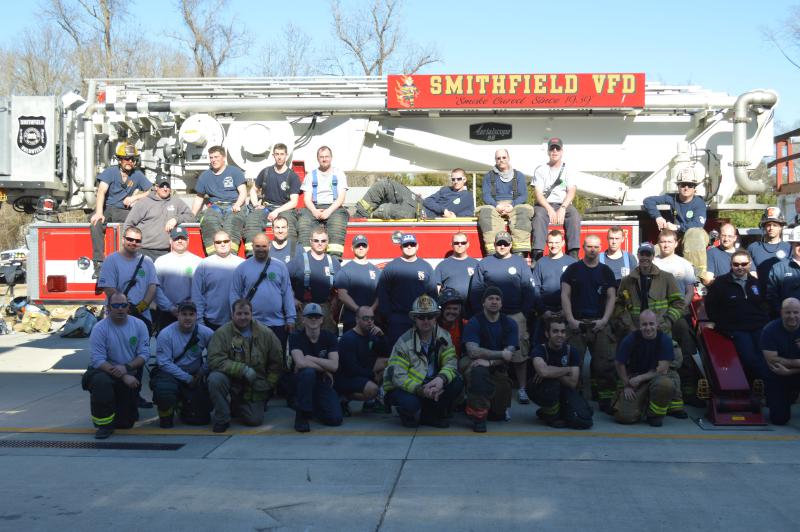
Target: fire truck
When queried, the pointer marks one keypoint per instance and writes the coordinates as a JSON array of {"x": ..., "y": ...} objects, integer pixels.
[{"x": 628, "y": 137}]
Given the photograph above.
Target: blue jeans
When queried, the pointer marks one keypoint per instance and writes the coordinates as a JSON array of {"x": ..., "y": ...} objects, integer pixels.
[
  {"x": 411, "y": 405},
  {"x": 314, "y": 394}
]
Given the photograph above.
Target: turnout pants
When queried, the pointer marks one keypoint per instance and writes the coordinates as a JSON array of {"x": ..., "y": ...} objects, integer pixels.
[
  {"x": 780, "y": 398},
  {"x": 170, "y": 394},
  {"x": 227, "y": 398},
  {"x": 335, "y": 225},
  {"x": 488, "y": 391},
  {"x": 561, "y": 402},
  {"x": 257, "y": 220},
  {"x": 602, "y": 347},
  {"x": 416, "y": 406},
  {"x": 98, "y": 231},
  {"x": 492, "y": 222},
  {"x": 222, "y": 218},
  {"x": 652, "y": 399},
  {"x": 541, "y": 224},
  {"x": 389, "y": 200},
  {"x": 112, "y": 402},
  {"x": 315, "y": 396},
  {"x": 687, "y": 369},
  {"x": 695, "y": 242}
]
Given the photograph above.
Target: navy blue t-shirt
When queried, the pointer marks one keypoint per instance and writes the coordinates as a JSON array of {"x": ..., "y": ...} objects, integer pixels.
[
  {"x": 494, "y": 340},
  {"x": 221, "y": 187},
  {"x": 357, "y": 353},
  {"x": 547, "y": 281},
  {"x": 459, "y": 203},
  {"x": 775, "y": 338},
  {"x": 566, "y": 357},
  {"x": 456, "y": 273},
  {"x": 326, "y": 343},
  {"x": 640, "y": 355},
  {"x": 401, "y": 283},
  {"x": 765, "y": 256},
  {"x": 321, "y": 280},
  {"x": 361, "y": 283},
  {"x": 275, "y": 187},
  {"x": 684, "y": 215},
  {"x": 618, "y": 265},
  {"x": 285, "y": 254},
  {"x": 117, "y": 190},
  {"x": 589, "y": 287},
  {"x": 511, "y": 275}
]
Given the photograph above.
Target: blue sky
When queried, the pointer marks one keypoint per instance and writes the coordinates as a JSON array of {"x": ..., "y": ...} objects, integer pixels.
[{"x": 717, "y": 44}]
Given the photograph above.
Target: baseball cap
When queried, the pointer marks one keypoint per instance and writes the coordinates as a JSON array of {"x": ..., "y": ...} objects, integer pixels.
[
  {"x": 360, "y": 239},
  {"x": 408, "y": 238},
  {"x": 503, "y": 236},
  {"x": 163, "y": 180},
  {"x": 312, "y": 309},
  {"x": 647, "y": 247},
  {"x": 555, "y": 141},
  {"x": 187, "y": 305},
  {"x": 178, "y": 232}
]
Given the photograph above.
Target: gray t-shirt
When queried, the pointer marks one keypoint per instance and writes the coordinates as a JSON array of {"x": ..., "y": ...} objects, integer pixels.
[
  {"x": 118, "y": 344},
  {"x": 545, "y": 176},
  {"x": 117, "y": 272}
]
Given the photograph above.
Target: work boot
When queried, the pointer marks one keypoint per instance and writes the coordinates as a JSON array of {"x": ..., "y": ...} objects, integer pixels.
[
  {"x": 103, "y": 432},
  {"x": 373, "y": 406},
  {"x": 98, "y": 265},
  {"x": 679, "y": 414},
  {"x": 432, "y": 421},
  {"x": 301, "y": 423},
  {"x": 479, "y": 425},
  {"x": 220, "y": 427},
  {"x": 655, "y": 421},
  {"x": 409, "y": 421},
  {"x": 346, "y": 409},
  {"x": 144, "y": 403},
  {"x": 166, "y": 422},
  {"x": 557, "y": 423},
  {"x": 604, "y": 405}
]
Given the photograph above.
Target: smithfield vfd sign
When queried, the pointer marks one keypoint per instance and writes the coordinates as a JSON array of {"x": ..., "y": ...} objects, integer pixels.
[{"x": 544, "y": 91}]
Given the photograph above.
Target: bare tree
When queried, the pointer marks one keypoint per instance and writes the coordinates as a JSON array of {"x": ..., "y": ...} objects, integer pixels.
[
  {"x": 43, "y": 64},
  {"x": 372, "y": 40},
  {"x": 211, "y": 41},
  {"x": 289, "y": 54}
]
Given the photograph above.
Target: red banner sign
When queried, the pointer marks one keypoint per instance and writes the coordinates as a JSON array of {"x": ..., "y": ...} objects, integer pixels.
[{"x": 515, "y": 91}]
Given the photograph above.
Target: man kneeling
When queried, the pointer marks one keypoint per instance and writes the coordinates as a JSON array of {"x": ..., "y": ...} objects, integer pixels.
[
  {"x": 554, "y": 386},
  {"x": 179, "y": 380},
  {"x": 363, "y": 355},
  {"x": 642, "y": 363}
]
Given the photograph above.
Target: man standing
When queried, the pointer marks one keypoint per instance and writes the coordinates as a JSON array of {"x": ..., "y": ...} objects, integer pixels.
[
  {"x": 547, "y": 282},
  {"x": 133, "y": 274},
  {"x": 324, "y": 194},
  {"x": 180, "y": 378},
  {"x": 266, "y": 284},
  {"x": 119, "y": 347},
  {"x": 421, "y": 378},
  {"x": 783, "y": 280},
  {"x": 119, "y": 188},
  {"x": 588, "y": 289},
  {"x": 227, "y": 200},
  {"x": 512, "y": 275},
  {"x": 313, "y": 273},
  {"x": 505, "y": 198},
  {"x": 642, "y": 363},
  {"x": 363, "y": 355},
  {"x": 282, "y": 248},
  {"x": 279, "y": 188},
  {"x": 456, "y": 270},
  {"x": 316, "y": 359},
  {"x": 490, "y": 339},
  {"x": 403, "y": 280},
  {"x": 686, "y": 216},
  {"x": 156, "y": 215},
  {"x": 211, "y": 284},
  {"x": 245, "y": 360},
  {"x": 718, "y": 258},
  {"x": 620, "y": 261},
  {"x": 357, "y": 283},
  {"x": 554, "y": 386},
  {"x": 555, "y": 193},
  {"x": 779, "y": 343},
  {"x": 771, "y": 248},
  {"x": 175, "y": 271}
]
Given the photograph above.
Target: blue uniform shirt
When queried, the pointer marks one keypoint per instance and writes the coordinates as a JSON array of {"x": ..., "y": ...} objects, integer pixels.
[
  {"x": 357, "y": 354},
  {"x": 401, "y": 283},
  {"x": 511, "y": 275},
  {"x": 322, "y": 274},
  {"x": 276, "y": 188},
  {"x": 566, "y": 357},
  {"x": 117, "y": 190},
  {"x": 547, "y": 281},
  {"x": 459, "y": 203},
  {"x": 776, "y": 338},
  {"x": 361, "y": 283},
  {"x": 589, "y": 287},
  {"x": 220, "y": 187},
  {"x": 641, "y": 355},
  {"x": 456, "y": 274},
  {"x": 765, "y": 256},
  {"x": 684, "y": 215},
  {"x": 504, "y": 191},
  {"x": 618, "y": 265},
  {"x": 496, "y": 335},
  {"x": 783, "y": 282}
]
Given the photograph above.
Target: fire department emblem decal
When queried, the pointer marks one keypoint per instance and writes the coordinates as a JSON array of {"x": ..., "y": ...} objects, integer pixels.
[
  {"x": 372, "y": 275},
  {"x": 420, "y": 275},
  {"x": 406, "y": 91},
  {"x": 32, "y": 138}
]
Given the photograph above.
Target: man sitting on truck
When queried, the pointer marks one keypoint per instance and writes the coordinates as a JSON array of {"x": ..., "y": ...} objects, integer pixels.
[
  {"x": 118, "y": 189},
  {"x": 324, "y": 193},
  {"x": 390, "y": 200}
]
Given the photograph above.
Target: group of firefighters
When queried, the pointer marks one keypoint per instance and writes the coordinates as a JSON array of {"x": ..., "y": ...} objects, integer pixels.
[{"x": 231, "y": 333}]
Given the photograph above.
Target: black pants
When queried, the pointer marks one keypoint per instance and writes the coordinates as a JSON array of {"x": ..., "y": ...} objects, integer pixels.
[
  {"x": 112, "y": 402},
  {"x": 98, "y": 231},
  {"x": 193, "y": 404}
]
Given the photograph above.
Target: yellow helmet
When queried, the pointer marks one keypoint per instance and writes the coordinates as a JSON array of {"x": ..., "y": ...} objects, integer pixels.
[{"x": 126, "y": 150}]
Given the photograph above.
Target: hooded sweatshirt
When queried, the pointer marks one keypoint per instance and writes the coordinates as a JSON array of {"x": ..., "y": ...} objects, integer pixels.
[{"x": 150, "y": 215}]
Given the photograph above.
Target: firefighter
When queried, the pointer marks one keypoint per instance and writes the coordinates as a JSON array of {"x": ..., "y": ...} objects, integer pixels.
[
  {"x": 643, "y": 366},
  {"x": 312, "y": 276},
  {"x": 686, "y": 216},
  {"x": 363, "y": 355},
  {"x": 282, "y": 247},
  {"x": 490, "y": 339},
  {"x": 175, "y": 271},
  {"x": 779, "y": 344},
  {"x": 547, "y": 282},
  {"x": 246, "y": 361},
  {"x": 421, "y": 378},
  {"x": 718, "y": 258},
  {"x": 266, "y": 284},
  {"x": 388, "y": 199},
  {"x": 315, "y": 355},
  {"x": 274, "y": 194},
  {"x": 555, "y": 192},
  {"x": 119, "y": 188},
  {"x": 620, "y": 261},
  {"x": 554, "y": 386},
  {"x": 505, "y": 198},
  {"x": 226, "y": 208},
  {"x": 120, "y": 345},
  {"x": 211, "y": 283},
  {"x": 771, "y": 248},
  {"x": 357, "y": 283},
  {"x": 451, "y": 317},
  {"x": 179, "y": 380},
  {"x": 324, "y": 194},
  {"x": 783, "y": 280},
  {"x": 457, "y": 270}
]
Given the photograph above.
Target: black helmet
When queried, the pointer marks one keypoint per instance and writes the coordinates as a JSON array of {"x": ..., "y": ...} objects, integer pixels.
[
  {"x": 449, "y": 295},
  {"x": 772, "y": 214}
]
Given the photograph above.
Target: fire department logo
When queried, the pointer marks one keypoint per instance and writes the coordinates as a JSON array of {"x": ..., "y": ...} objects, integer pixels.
[
  {"x": 372, "y": 275},
  {"x": 32, "y": 137},
  {"x": 284, "y": 186},
  {"x": 406, "y": 91},
  {"x": 420, "y": 275},
  {"x": 512, "y": 271},
  {"x": 564, "y": 361},
  {"x": 781, "y": 254},
  {"x": 470, "y": 271}
]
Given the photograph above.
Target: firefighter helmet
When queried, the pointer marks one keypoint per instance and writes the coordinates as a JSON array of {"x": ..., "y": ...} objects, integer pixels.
[
  {"x": 449, "y": 295},
  {"x": 125, "y": 149},
  {"x": 687, "y": 175},
  {"x": 424, "y": 305},
  {"x": 772, "y": 214}
]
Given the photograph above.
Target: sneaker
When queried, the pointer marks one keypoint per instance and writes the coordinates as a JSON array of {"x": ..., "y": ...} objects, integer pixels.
[
  {"x": 144, "y": 403},
  {"x": 680, "y": 414},
  {"x": 301, "y": 423},
  {"x": 655, "y": 421},
  {"x": 166, "y": 422},
  {"x": 479, "y": 425},
  {"x": 439, "y": 423},
  {"x": 557, "y": 423},
  {"x": 220, "y": 427},
  {"x": 103, "y": 432},
  {"x": 522, "y": 397}
]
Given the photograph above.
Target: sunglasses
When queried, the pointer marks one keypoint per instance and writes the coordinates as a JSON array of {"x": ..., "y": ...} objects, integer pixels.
[
  {"x": 360, "y": 245},
  {"x": 133, "y": 240},
  {"x": 456, "y": 179},
  {"x": 427, "y": 317},
  {"x": 222, "y": 241},
  {"x": 686, "y": 185},
  {"x": 740, "y": 264},
  {"x": 409, "y": 245},
  {"x": 118, "y": 305},
  {"x": 502, "y": 244},
  {"x": 164, "y": 185},
  {"x": 554, "y": 148},
  {"x": 319, "y": 241},
  {"x": 127, "y": 158},
  {"x": 459, "y": 242}
]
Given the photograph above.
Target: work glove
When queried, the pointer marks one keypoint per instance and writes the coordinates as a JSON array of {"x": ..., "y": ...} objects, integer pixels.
[
  {"x": 250, "y": 374},
  {"x": 141, "y": 306}
]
